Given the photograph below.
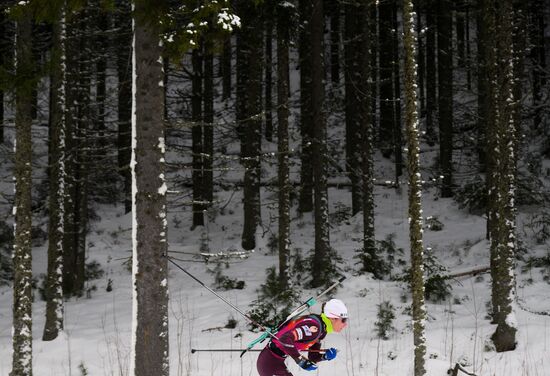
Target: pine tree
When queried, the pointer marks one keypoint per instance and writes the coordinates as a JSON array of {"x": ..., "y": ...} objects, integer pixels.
[
  {"x": 268, "y": 11},
  {"x": 538, "y": 58},
  {"x": 197, "y": 134},
  {"x": 305, "y": 201},
  {"x": 386, "y": 69},
  {"x": 3, "y": 61},
  {"x": 251, "y": 49},
  {"x": 353, "y": 95},
  {"x": 321, "y": 260},
  {"x": 283, "y": 41},
  {"x": 415, "y": 190},
  {"x": 445, "y": 91},
  {"x": 225, "y": 63},
  {"x": 123, "y": 40},
  {"x": 431, "y": 73},
  {"x": 54, "y": 287},
  {"x": 208, "y": 121},
  {"x": 150, "y": 336},
  {"x": 503, "y": 172},
  {"x": 367, "y": 136},
  {"x": 482, "y": 88},
  {"x": 22, "y": 256}
]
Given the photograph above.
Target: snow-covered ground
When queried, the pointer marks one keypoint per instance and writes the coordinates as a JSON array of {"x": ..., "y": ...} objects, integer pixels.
[
  {"x": 97, "y": 334},
  {"x": 97, "y": 329}
]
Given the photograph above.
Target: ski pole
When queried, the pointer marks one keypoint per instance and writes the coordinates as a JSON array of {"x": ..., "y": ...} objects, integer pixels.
[
  {"x": 322, "y": 351},
  {"x": 222, "y": 298}
]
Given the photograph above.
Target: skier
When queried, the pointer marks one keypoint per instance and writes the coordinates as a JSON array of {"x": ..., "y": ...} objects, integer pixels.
[{"x": 301, "y": 334}]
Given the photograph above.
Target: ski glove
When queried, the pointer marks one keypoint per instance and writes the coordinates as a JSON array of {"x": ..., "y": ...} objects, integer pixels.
[
  {"x": 330, "y": 354},
  {"x": 306, "y": 364}
]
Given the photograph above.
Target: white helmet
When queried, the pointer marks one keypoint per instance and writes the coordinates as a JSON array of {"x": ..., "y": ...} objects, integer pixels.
[{"x": 335, "y": 308}]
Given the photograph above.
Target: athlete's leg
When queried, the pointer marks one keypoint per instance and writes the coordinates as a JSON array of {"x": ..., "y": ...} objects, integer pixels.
[{"x": 269, "y": 364}]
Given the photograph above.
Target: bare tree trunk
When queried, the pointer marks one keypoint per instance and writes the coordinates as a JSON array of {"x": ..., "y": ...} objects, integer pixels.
[
  {"x": 150, "y": 336},
  {"x": 353, "y": 86},
  {"x": 385, "y": 63},
  {"x": 419, "y": 8},
  {"x": 305, "y": 202},
  {"x": 3, "y": 61},
  {"x": 252, "y": 123},
  {"x": 124, "y": 69},
  {"x": 431, "y": 72},
  {"x": 208, "y": 129},
  {"x": 83, "y": 143},
  {"x": 283, "y": 82},
  {"x": 415, "y": 191},
  {"x": 445, "y": 91},
  {"x": 482, "y": 90},
  {"x": 197, "y": 136},
  {"x": 71, "y": 147},
  {"x": 334, "y": 41},
  {"x": 503, "y": 241},
  {"x": 54, "y": 286},
  {"x": 538, "y": 59},
  {"x": 22, "y": 256},
  {"x": 226, "y": 67},
  {"x": 100, "y": 46},
  {"x": 268, "y": 98},
  {"x": 319, "y": 150},
  {"x": 368, "y": 253},
  {"x": 397, "y": 131}
]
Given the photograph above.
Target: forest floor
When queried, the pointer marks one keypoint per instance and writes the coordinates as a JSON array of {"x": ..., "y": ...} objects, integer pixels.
[{"x": 96, "y": 340}]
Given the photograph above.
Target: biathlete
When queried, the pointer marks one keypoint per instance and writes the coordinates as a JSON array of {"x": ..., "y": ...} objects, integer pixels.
[{"x": 303, "y": 334}]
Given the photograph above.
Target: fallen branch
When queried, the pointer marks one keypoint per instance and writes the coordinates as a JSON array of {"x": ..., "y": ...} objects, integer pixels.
[{"x": 472, "y": 272}]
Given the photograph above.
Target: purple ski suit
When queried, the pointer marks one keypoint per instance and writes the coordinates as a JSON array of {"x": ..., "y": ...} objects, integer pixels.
[{"x": 301, "y": 334}]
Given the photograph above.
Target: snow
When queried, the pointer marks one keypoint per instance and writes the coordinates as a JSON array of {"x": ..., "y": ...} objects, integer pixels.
[{"x": 98, "y": 331}]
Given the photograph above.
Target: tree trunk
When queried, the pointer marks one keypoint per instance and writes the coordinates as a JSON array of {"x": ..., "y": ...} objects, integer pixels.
[
  {"x": 321, "y": 264},
  {"x": 305, "y": 203},
  {"x": 482, "y": 90},
  {"x": 537, "y": 55},
  {"x": 368, "y": 253},
  {"x": 71, "y": 145},
  {"x": 431, "y": 72},
  {"x": 268, "y": 79},
  {"x": 415, "y": 191},
  {"x": 100, "y": 28},
  {"x": 468, "y": 61},
  {"x": 283, "y": 40},
  {"x": 22, "y": 256},
  {"x": 460, "y": 33},
  {"x": 353, "y": 87},
  {"x": 420, "y": 10},
  {"x": 226, "y": 67},
  {"x": 150, "y": 336},
  {"x": 3, "y": 54},
  {"x": 445, "y": 88},
  {"x": 124, "y": 70},
  {"x": 83, "y": 141},
  {"x": 252, "y": 123},
  {"x": 397, "y": 132},
  {"x": 208, "y": 129},
  {"x": 334, "y": 41},
  {"x": 385, "y": 26},
  {"x": 197, "y": 137},
  {"x": 54, "y": 286},
  {"x": 503, "y": 243}
]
